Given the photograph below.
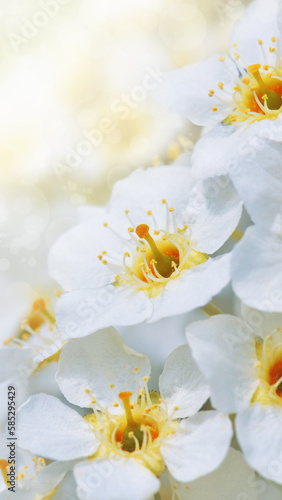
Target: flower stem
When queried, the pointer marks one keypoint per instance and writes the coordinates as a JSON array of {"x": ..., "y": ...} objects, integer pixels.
[
  {"x": 237, "y": 234},
  {"x": 211, "y": 310},
  {"x": 158, "y": 496}
]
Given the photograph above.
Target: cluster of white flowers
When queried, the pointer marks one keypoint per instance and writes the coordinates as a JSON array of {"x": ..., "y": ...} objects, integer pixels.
[{"x": 137, "y": 272}]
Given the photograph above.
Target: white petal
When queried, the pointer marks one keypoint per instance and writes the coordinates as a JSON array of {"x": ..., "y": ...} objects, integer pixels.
[
  {"x": 265, "y": 129},
  {"x": 182, "y": 384},
  {"x": 252, "y": 174},
  {"x": 232, "y": 479},
  {"x": 73, "y": 259},
  {"x": 51, "y": 429},
  {"x": 82, "y": 312},
  {"x": 49, "y": 477},
  {"x": 224, "y": 348},
  {"x": 257, "y": 23},
  {"x": 199, "y": 445},
  {"x": 256, "y": 270},
  {"x": 262, "y": 323},
  {"x": 213, "y": 212},
  {"x": 144, "y": 190},
  {"x": 97, "y": 362},
  {"x": 192, "y": 288},
  {"x": 90, "y": 211},
  {"x": 186, "y": 89},
  {"x": 157, "y": 340},
  {"x": 259, "y": 432},
  {"x": 67, "y": 488},
  {"x": 215, "y": 151},
  {"x": 114, "y": 479},
  {"x": 16, "y": 363}
]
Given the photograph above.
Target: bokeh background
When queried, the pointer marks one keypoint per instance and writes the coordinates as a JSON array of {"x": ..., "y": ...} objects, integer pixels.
[{"x": 77, "y": 111}]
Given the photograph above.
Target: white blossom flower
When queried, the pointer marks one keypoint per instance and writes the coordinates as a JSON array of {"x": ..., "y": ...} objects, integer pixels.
[
  {"x": 32, "y": 345},
  {"x": 242, "y": 361},
  {"x": 34, "y": 479},
  {"x": 153, "y": 244},
  {"x": 131, "y": 434},
  {"x": 237, "y": 98},
  {"x": 256, "y": 269}
]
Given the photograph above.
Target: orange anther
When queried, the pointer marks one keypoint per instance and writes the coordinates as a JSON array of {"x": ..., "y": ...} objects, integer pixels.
[{"x": 142, "y": 230}]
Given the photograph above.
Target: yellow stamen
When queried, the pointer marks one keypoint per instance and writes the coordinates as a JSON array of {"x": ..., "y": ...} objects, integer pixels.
[
  {"x": 38, "y": 304},
  {"x": 246, "y": 80},
  {"x": 3, "y": 467}
]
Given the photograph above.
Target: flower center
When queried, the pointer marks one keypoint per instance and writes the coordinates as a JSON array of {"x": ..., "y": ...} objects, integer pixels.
[
  {"x": 164, "y": 263},
  {"x": 133, "y": 435},
  {"x": 138, "y": 430},
  {"x": 275, "y": 376},
  {"x": 269, "y": 353},
  {"x": 150, "y": 263},
  {"x": 255, "y": 96},
  {"x": 268, "y": 89},
  {"x": 39, "y": 331}
]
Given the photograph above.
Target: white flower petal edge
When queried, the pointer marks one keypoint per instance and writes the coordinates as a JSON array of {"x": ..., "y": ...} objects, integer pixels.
[
  {"x": 261, "y": 323},
  {"x": 216, "y": 150},
  {"x": 222, "y": 149},
  {"x": 102, "y": 364},
  {"x": 199, "y": 445},
  {"x": 232, "y": 477},
  {"x": 257, "y": 23},
  {"x": 211, "y": 208},
  {"x": 114, "y": 479},
  {"x": 51, "y": 475},
  {"x": 213, "y": 211},
  {"x": 182, "y": 385},
  {"x": 73, "y": 259},
  {"x": 224, "y": 349},
  {"x": 193, "y": 288},
  {"x": 256, "y": 270},
  {"x": 51, "y": 429},
  {"x": 193, "y": 101},
  {"x": 82, "y": 312},
  {"x": 15, "y": 363},
  {"x": 259, "y": 432},
  {"x": 257, "y": 177},
  {"x": 144, "y": 190}
]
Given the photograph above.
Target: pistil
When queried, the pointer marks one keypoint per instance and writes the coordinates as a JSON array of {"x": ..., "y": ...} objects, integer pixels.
[
  {"x": 274, "y": 100},
  {"x": 132, "y": 433},
  {"x": 165, "y": 265}
]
